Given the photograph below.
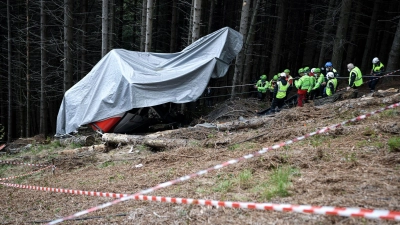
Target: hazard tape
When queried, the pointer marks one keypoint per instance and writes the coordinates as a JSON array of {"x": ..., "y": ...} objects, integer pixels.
[
  {"x": 230, "y": 162},
  {"x": 322, "y": 210},
  {"x": 377, "y": 77},
  {"x": 67, "y": 191},
  {"x": 21, "y": 163},
  {"x": 26, "y": 174}
]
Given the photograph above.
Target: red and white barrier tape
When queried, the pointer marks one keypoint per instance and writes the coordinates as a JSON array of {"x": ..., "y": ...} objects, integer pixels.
[
  {"x": 324, "y": 210},
  {"x": 377, "y": 77},
  {"x": 230, "y": 162},
  {"x": 36, "y": 171},
  {"x": 20, "y": 163},
  {"x": 67, "y": 191}
]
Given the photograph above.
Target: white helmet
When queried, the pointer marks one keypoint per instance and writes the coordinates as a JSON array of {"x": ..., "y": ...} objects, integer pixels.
[
  {"x": 375, "y": 60},
  {"x": 330, "y": 75},
  {"x": 312, "y": 70},
  {"x": 283, "y": 74}
]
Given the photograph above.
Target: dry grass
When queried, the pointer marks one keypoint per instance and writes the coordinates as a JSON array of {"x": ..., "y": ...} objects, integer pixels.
[{"x": 348, "y": 167}]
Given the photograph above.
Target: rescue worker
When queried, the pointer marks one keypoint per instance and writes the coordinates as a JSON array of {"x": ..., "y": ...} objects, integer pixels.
[
  {"x": 320, "y": 83},
  {"x": 377, "y": 69},
  {"x": 331, "y": 85},
  {"x": 262, "y": 87},
  {"x": 307, "y": 71},
  {"x": 272, "y": 86},
  {"x": 355, "y": 78},
  {"x": 289, "y": 79},
  {"x": 313, "y": 81},
  {"x": 279, "y": 94},
  {"x": 300, "y": 72},
  {"x": 329, "y": 68},
  {"x": 304, "y": 86}
]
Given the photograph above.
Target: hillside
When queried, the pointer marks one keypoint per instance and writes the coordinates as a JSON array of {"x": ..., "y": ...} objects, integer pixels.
[{"x": 353, "y": 165}]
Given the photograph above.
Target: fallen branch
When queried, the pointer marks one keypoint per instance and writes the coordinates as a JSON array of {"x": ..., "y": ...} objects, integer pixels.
[
  {"x": 82, "y": 141},
  {"x": 93, "y": 148}
]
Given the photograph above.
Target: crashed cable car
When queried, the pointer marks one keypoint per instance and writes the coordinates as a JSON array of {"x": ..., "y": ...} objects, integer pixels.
[{"x": 125, "y": 88}]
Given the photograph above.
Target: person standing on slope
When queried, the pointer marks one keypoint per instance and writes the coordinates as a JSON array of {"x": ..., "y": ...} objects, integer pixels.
[
  {"x": 331, "y": 85},
  {"x": 355, "y": 78},
  {"x": 304, "y": 86},
  {"x": 377, "y": 69}
]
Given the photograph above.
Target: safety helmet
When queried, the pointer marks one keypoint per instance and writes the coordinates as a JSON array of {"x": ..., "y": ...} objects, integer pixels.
[
  {"x": 375, "y": 60},
  {"x": 317, "y": 70},
  {"x": 282, "y": 74},
  {"x": 328, "y": 64},
  {"x": 275, "y": 77},
  {"x": 286, "y": 71},
  {"x": 306, "y": 69},
  {"x": 301, "y": 70},
  {"x": 312, "y": 70},
  {"x": 330, "y": 75},
  {"x": 263, "y": 77}
]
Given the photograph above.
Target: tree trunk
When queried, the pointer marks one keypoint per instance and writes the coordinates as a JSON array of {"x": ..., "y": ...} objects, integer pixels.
[
  {"x": 367, "y": 56},
  {"x": 174, "y": 27},
  {"x": 121, "y": 22},
  {"x": 394, "y": 55},
  {"x": 104, "y": 29},
  {"x": 28, "y": 78},
  {"x": 9, "y": 116},
  {"x": 310, "y": 45},
  {"x": 248, "y": 51},
  {"x": 354, "y": 32},
  {"x": 67, "y": 44},
  {"x": 327, "y": 31},
  {"x": 244, "y": 22},
  {"x": 149, "y": 25},
  {"x": 340, "y": 38},
  {"x": 43, "y": 69},
  {"x": 143, "y": 26},
  {"x": 83, "y": 39},
  {"x": 189, "y": 41},
  {"x": 211, "y": 16},
  {"x": 277, "y": 44},
  {"x": 196, "y": 20},
  {"x": 111, "y": 26}
]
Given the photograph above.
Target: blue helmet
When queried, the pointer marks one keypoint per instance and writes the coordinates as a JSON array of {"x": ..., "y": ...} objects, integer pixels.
[{"x": 328, "y": 64}]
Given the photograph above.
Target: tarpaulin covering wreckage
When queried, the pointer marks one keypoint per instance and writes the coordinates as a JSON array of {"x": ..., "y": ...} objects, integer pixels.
[{"x": 124, "y": 80}]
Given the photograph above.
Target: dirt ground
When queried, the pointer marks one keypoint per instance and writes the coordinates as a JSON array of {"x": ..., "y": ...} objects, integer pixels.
[{"x": 351, "y": 166}]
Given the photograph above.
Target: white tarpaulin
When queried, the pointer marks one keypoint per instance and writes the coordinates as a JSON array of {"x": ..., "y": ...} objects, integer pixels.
[{"x": 123, "y": 80}]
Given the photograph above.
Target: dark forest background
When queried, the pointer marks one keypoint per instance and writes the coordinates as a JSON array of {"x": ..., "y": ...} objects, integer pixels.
[{"x": 49, "y": 45}]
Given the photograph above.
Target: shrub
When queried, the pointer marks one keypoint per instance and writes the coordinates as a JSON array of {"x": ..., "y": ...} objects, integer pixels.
[{"x": 394, "y": 144}]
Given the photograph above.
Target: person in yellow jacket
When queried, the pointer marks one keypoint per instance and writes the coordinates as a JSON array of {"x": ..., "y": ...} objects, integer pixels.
[
  {"x": 331, "y": 85},
  {"x": 313, "y": 80},
  {"x": 272, "y": 84},
  {"x": 377, "y": 69},
  {"x": 355, "y": 78},
  {"x": 279, "y": 94},
  {"x": 303, "y": 85},
  {"x": 262, "y": 86},
  {"x": 320, "y": 83}
]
